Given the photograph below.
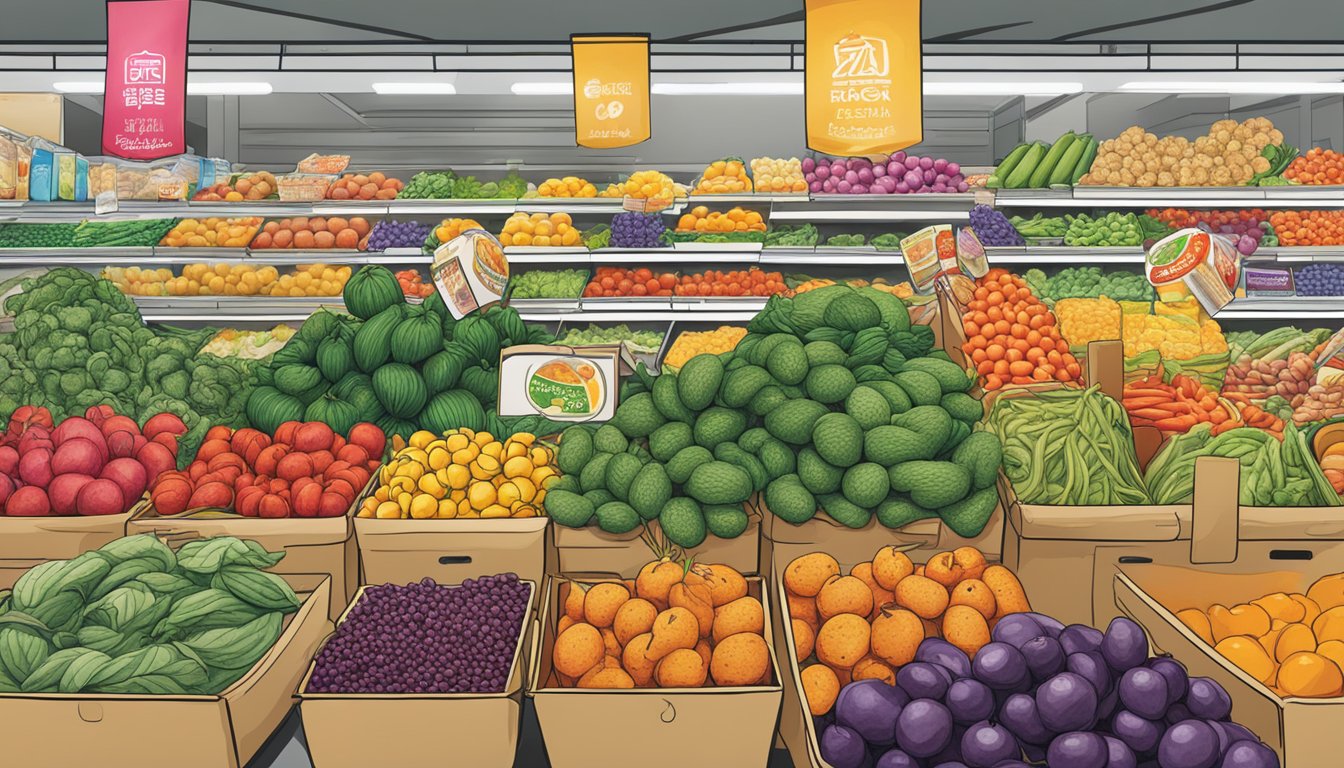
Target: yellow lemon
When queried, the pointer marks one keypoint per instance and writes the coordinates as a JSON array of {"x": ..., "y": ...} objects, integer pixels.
[
  {"x": 508, "y": 494},
  {"x": 430, "y": 484},
  {"x": 526, "y": 438},
  {"x": 420, "y": 438},
  {"x": 494, "y": 510},
  {"x": 481, "y": 438},
  {"x": 481, "y": 495},
  {"x": 541, "y": 474},
  {"x": 457, "y": 442},
  {"x": 458, "y": 476},
  {"x": 458, "y": 494},
  {"x": 439, "y": 457},
  {"x": 525, "y": 510},
  {"x": 527, "y": 490},
  {"x": 492, "y": 449},
  {"x": 447, "y": 508},
  {"x": 410, "y": 469},
  {"x": 488, "y": 463},
  {"x": 479, "y": 472},
  {"x": 518, "y": 466},
  {"x": 463, "y": 457},
  {"x": 388, "y": 510},
  {"x": 424, "y": 506},
  {"x": 381, "y": 493},
  {"x": 541, "y": 456}
]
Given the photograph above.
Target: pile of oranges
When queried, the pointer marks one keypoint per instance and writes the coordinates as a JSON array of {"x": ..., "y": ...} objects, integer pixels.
[
  {"x": 309, "y": 232},
  {"x": 723, "y": 177},
  {"x": 701, "y": 219},
  {"x": 1308, "y": 227},
  {"x": 1011, "y": 337},
  {"x": 1317, "y": 166},
  {"x": 645, "y": 185},
  {"x": 451, "y": 228},
  {"x": 569, "y": 186},
  {"x": 749, "y": 282},
  {"x": 540, "y": 229},
  {"x": 412, "y": 284}
]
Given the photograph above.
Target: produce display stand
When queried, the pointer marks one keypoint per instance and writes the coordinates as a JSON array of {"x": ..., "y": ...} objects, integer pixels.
[
  {"x": 29, "y": 541},
  {"x": 311, "y": 545},
  {"x": 1237, "y": 555},
  {"x": 590, "y": 551},
  {"x": 651, "y": 727},
  {"x": 392, "y": 726},
  {"x": 225, "y": 730},
  {"x": 450, "y": 551}
]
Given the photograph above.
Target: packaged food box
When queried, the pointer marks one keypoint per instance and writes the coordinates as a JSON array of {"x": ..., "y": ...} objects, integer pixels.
[
  {"x": 24, "y": 541},
  {"x": 9, "y": 167},
  {"x": 225, "y": 730},
  {"x": 651, "y": 727},
  {"x": 303, "y": 187},
  {"x": 392, "y": 727},
  {"x": 450, "y": 551}
]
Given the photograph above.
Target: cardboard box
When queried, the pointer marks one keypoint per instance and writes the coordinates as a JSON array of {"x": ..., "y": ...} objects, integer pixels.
[
  {"x": 61, "y": 538},
  {"x": 361, "y": 730},
  {"x": 590, "y": 551},
  {"x": 1236, "y": 563},
  {"x": 651, "y": 727},
  {"x": 450, "y": 551},
  {"x": 311, "y": 545},
  {"x": 56, "y": 730}
]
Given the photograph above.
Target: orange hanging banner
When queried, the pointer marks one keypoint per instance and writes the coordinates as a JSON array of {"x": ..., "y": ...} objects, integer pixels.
[
  {"x": 611, "y": 90},
  {"x": 864, "y": 76}
]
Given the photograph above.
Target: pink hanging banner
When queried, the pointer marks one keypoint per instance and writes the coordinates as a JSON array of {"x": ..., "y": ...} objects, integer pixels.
[{"x": 145, "y": 91}]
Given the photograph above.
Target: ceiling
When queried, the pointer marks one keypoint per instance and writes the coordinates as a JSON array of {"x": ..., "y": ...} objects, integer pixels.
[{"x": 982, "y": 21}]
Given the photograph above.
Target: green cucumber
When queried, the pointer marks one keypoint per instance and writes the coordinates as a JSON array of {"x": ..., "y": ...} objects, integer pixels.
[
  {"x": 1085, "y": 162},
  {"x": 1042, "y": 172},
  {"x": 1063, "y": 171},
  {"x": 1010, "y": 162},
  {"x": 1022, "y": 172}
]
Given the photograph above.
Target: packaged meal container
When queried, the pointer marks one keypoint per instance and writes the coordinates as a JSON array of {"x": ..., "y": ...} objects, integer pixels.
[
  {"x": 153, "y": 180},
  {"x": 303, "y": 187},
  {"x": 24, "y": 155},
  {"x": 103, "y": 176},
  {"x": 9, "y": 167},
  {"x": 392, "y": 729},
  {"x": 42, "y": 184},
  {"x": 1208, "y": 264}
]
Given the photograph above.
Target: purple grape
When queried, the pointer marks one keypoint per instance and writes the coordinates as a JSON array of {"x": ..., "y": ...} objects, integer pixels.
[
  {"x": 1067, "y": 702},
  {"x": 935, "y": 650},
  {"x": 923, "y": 680},
  {"x": 1019, "y": 715},
  {"x": 914, "y": 179},
  {"x": 838, "y": 168},
  {"x": 814, "y": 186},
  {"x": 1176, "y": 713},
  {"x": 898, "y": 156},
  {"x": 842, "y": 747},
  {"x": 912, "y": 163},
  {"x": 823, "y": 171},
  {"x": 952, "y": 169},
  {"x": 962, "y": 186},
  {"x": 1092, "y": 668},
  {"x": 1119, "y": 755},
  {"x": 1001, "y": 667},
  {"x": 1044, "y": 657},
  {"x": 1138, "y": 733},
  {"x": 1174, "y": 673},
  {"x": 858, "y": 189},
  {"x": 870, "y": 708},
  {"x": 1107, "y": 706},
  {"x": 896, "y": 758},
  {"x": 951, "y": 764},
  {"x": 1125, "y": 645},
  {"x": 809, "y": 165},
  {"x": 1078, "y": 749},
  {"x": 865, "y": 176},
  {"x": 969, "y": 701},
  {"x": 852, "y": 177},
  {"x": 926, "y": 163},
  {"x": 879, "y": 170},
  {"x": 940, "y": 165},
  {"x": 1144, "y": 692},
  {"x": 1188, "y": 744},
  {"x": 1015, "y": 628},
  {"x": 1207, "y": 700},
  {"x": 631, "y": 229},
  {"x": 930, "y": 175},
  {"x": 426, "y": 638},
  {"x": 885, "y": 184},
  {"x": 985, "y": 745},
  {"x": 902, "y": 188},
  {"x": 952, "y": 752},
  {"x": 1011, "y": 764},
  {"x": 1078, "y": 637},
  {"x": 843, "y": 186},
  {"x": 924, "y": 728},
  {"x": 1236, "y": 732},
  {"x": 896, "y": 168},
  {"x": 1249, "y": 754}
]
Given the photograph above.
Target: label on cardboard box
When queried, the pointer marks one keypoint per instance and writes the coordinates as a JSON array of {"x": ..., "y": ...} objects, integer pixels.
[
  {"x": 470, "y": 272},
  {"x": 561, "y": 383}
]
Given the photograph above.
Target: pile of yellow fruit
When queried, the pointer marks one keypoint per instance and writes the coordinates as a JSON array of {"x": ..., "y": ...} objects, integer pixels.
[
  {"x": 774, "y": 175},
  {"x": 646, "y": 185},
  {"x": 223, "y": 279},
  {"x": 1176, "y": 337},
  {"x": 1086, "y": 320},
  {"x": 901, "y": 290},
  {"x": 723, "y": 177},
  {"x": 540, "y": 229},
  {"x": 692, "y": 343},
  {"x": 212, "y": 232},
  {"x": 737, "y": 219},
  {"x": 450, "y": 228},
  {"x": 1228, "y": 155},
  {"x": 570, "y": 186},
  {"x": 463, "y": 474},
  {"x": 1293, "y": 643}
]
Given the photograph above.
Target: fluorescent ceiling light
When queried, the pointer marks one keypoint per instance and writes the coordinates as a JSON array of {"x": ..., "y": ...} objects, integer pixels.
[
  {"x": 765, "y": 88},
  {"x": 1002, "y": 88},
  {"x": 428, "y": 89},
  {"x": 79, "y": 86},
  {"x": 229, "y": 89},
  {"x": 1229, "y": 86},
  {"x": 542, "y": 89}
]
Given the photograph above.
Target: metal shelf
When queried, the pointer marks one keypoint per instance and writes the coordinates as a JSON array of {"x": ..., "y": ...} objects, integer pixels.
[
  {"x": 1055, "y": 255},
  {"x": 163, "y": 255},
  {"x": 1281, "y": 308},
  {"x": 721, "y": 316}
]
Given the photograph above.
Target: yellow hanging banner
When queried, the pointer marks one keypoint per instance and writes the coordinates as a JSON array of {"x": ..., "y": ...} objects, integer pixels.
[
  {"x": 611, "y": 90},
  {"x": 864, "y": 76}
]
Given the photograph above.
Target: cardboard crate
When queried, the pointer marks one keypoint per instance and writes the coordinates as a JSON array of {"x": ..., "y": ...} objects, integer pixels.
[
  {"x": 450, "y": 551},
  {"x": 225, "y": 730},
  {"x": 1236, "y": 557},
  {"x": 651, "y": 727},
  {"x": 311, "y": 545},
  {"x": 61, "y": 538},
  {"x": 590, "y": 551},
  {"x": 391, "y": 728}
]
